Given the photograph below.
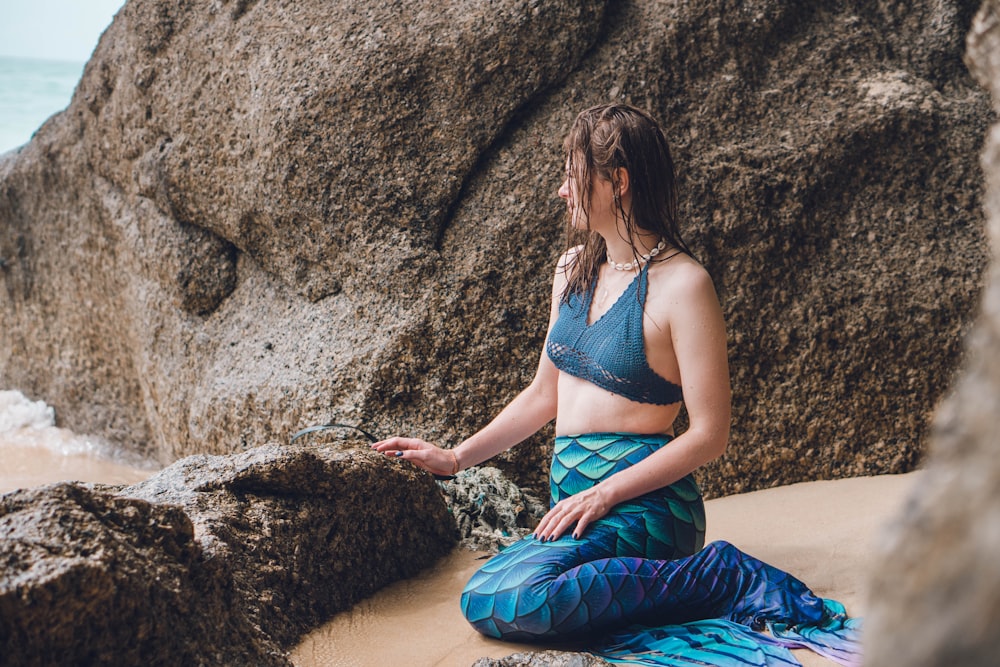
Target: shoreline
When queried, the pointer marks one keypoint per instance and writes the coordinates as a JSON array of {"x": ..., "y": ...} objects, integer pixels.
[{"x": 823, "y": 532}]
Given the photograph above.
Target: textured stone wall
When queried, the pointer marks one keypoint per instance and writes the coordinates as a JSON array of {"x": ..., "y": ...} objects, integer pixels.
[
  {"x": 936, "y": 590},
  {"x": 258, "y": 216}
]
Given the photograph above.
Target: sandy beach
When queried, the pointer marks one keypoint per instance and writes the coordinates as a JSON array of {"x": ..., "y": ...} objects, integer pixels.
[{"x": 823, "y": 532}]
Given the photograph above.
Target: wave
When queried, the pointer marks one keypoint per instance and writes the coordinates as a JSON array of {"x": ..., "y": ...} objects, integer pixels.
[
  {"x": 35, "y": 451},
  {"x": 28, "y": 423}
]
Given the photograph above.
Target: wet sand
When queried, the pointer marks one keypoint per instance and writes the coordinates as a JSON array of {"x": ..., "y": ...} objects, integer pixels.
[
  {"x": 34, "y": 451},
  {"x": 822, "y": 532},
  {"x": 26, "y": 464}
]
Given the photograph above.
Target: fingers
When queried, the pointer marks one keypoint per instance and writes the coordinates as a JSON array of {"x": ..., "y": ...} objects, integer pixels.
[
  {"x": 556, "y": 522},
  {"x": 541, "y": 531},
  {"x": 398, "y": 444},
  {"x": 554, "y": 529},
  {"x": 421, "y": 453},
  {"x": 404, "y": 448},
  {"x": 581, "y": 525},
  {"x": 581, "y": 509}
]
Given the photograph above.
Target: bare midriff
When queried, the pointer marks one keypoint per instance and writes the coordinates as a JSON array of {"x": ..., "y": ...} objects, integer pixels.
[{"x": 586, "y": 408}]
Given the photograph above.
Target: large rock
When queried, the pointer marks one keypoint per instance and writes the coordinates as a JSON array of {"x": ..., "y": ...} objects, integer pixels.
[
  {"x": 257, "y": 216},
  {"x": 936, "y": 591},
  {"x": 90, "y": 578},
  {"x": 216, "y": 560}
]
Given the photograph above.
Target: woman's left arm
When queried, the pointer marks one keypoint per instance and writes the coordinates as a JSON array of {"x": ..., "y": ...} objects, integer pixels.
[{"x": 697, "y": 334}]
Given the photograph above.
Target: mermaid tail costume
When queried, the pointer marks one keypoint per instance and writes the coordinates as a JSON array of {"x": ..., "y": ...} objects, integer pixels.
[{"x": 641, "y": 581}]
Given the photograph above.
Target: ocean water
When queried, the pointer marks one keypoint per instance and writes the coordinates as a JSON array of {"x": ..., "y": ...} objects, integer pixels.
[
  {"x": 34, "y": 451},
  {"x": 30, "y": 92}
]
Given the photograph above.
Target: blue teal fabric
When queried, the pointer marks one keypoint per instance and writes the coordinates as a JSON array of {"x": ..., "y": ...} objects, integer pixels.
[
  {"x": 610, "y": 352},
  {"x": 640, "y": 586}
]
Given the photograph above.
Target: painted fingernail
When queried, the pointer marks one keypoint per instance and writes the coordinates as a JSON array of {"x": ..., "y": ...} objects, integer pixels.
[{"x": 399, "y": 453}]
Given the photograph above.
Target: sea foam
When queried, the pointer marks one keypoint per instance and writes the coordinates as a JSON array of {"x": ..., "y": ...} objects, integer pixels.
[
  {"x": 34, "y": 451},
  {"x": 17, "y": 411},
  {"x": 28, "y": 423}
]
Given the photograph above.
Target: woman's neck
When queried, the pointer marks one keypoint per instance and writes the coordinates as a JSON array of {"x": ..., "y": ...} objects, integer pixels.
[{"x": 620, "y": 251}]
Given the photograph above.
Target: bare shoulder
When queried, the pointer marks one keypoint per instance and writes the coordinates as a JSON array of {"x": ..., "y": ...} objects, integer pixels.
[
  {"x": 682, "y": 303},
  {"x": 679, "y": 280},
  {"x": 567, "y": 257},
  {"x": 563, "y": 267}
]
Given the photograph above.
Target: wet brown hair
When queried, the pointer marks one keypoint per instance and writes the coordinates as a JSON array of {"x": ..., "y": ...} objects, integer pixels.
[{"x": 604, "y": 139}]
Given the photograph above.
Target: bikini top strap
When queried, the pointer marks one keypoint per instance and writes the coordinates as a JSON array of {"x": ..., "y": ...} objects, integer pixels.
[{"x": 643, "y": 283}]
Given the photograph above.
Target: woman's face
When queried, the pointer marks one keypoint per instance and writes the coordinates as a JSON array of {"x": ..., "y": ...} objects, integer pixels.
[
  {"x": 570, "y": 191},
  {"x": 598, "y": 211}
]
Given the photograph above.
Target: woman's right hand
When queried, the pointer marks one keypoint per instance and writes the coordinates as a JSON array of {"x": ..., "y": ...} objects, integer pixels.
[{"x": 421, "y": 453}]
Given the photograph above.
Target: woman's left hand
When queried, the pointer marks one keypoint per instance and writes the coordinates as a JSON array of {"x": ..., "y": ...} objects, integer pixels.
[{"x": 581, "y": 509}]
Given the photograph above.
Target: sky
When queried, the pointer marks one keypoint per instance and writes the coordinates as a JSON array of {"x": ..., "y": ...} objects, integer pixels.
[{"x": 54, "y": 29}]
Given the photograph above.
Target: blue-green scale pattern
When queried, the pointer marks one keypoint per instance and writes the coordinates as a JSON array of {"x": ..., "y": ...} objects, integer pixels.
[
  {"x": 640, "y": 583},
  {"x": 666, "y": 523}
]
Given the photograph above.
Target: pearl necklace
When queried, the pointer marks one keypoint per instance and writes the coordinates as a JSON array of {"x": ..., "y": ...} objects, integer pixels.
[{"x": 628, "y": 266}]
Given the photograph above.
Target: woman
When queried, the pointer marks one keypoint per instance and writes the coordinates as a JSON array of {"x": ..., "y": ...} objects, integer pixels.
[{"x": 635, "y": 327}]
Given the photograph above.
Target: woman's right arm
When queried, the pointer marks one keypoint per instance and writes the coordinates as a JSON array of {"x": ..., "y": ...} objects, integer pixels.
[{"x": 530, "y": 410}]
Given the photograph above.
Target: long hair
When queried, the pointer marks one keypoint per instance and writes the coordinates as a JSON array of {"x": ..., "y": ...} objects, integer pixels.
[{"x": 604, "y": 139}]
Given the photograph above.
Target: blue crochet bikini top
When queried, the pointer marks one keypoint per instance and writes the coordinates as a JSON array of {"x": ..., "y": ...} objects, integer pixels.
[{"x": 610, "y": 352}]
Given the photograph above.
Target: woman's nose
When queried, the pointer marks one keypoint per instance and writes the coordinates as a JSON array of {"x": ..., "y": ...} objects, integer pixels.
[{"x": 564, "y": 189}]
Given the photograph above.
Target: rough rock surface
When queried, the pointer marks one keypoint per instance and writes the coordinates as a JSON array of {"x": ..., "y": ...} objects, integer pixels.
[
  {"x": 936, "y": 591},
  {"x": 216, "y": 560},
  {"x": 258, "y": 216},
  {"x": 544, "y": 659}
]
